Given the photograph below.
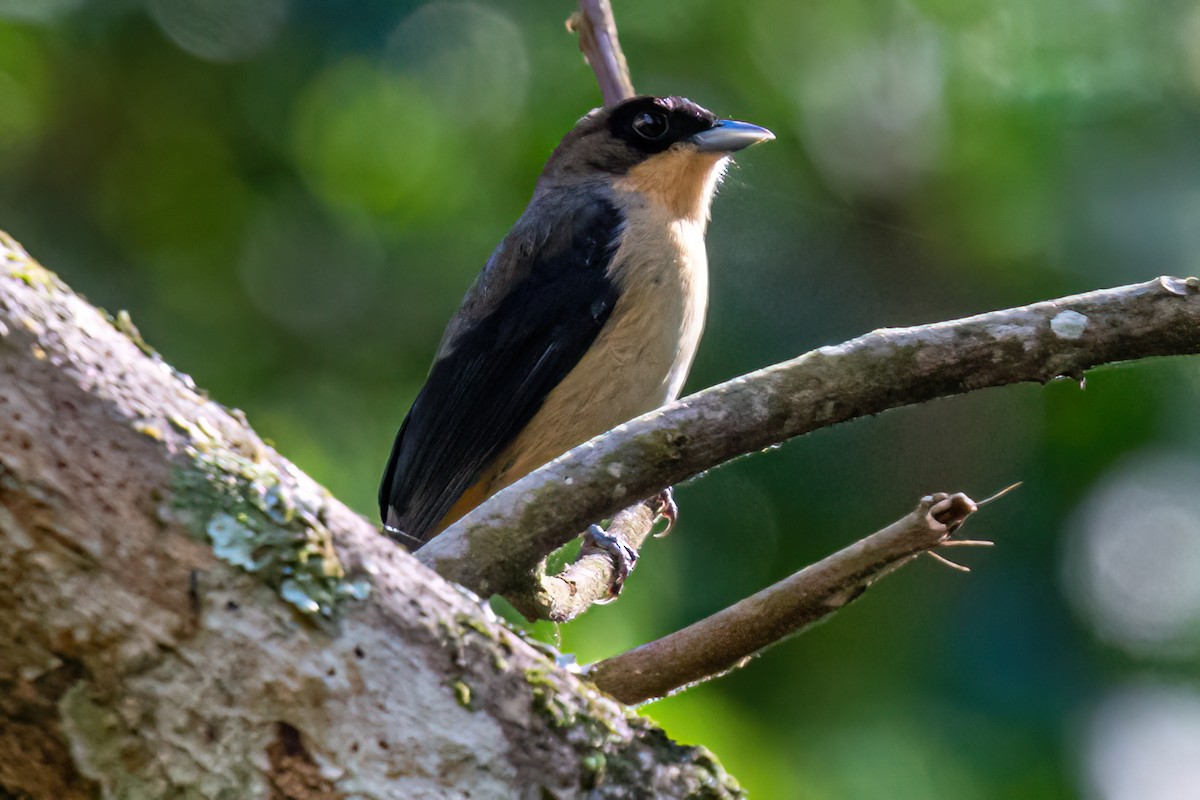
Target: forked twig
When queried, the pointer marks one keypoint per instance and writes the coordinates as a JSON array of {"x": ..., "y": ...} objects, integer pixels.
[{"x": 726, "y": 640}]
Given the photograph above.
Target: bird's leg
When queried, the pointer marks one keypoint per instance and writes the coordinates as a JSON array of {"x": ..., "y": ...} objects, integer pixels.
[
  {"x": 666, "y": 508},
  {"x": 624, "y": 557}
]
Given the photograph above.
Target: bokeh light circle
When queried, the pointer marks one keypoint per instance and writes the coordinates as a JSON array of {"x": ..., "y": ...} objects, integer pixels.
[
  {"x": 36, "y": 10},
  {"x": 470, "y": 59},
  {"x": 369, "y": 143},
  {"x": 220, "y": 30},
  {"x": 1144, "y": 742},
  {"x": 1132, "y": 562}
]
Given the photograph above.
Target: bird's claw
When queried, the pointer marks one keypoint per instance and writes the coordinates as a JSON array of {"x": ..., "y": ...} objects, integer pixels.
[
  {"x": 667, "y": 509},
  {"x": 624, "y": 557}
]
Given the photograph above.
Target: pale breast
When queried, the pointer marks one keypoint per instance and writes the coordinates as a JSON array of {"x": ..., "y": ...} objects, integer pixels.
[
  {"x": 662, "y": 270},
  {"x": 641, "y": 358}
]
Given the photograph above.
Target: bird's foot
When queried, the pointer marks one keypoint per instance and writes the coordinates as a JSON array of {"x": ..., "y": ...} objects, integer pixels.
[
  {"x": 666, "y": 508},
  {"x": 624, "y": 557}
]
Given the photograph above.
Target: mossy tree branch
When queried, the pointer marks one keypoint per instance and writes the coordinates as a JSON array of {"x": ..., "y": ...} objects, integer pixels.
[{"x": 184, "y": 613}]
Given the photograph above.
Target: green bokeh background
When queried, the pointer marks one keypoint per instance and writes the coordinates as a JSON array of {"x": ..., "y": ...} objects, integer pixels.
[{"x": 291, "y": 197}]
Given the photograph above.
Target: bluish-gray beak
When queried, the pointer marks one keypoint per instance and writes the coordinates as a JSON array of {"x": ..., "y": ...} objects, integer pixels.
[{"x": 729, "y": 136}]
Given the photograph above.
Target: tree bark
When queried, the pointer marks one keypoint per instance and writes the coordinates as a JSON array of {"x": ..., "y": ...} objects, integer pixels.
[{"x": 185, "y": 614}]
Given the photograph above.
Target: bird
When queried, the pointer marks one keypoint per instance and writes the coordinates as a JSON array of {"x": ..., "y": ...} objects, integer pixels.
[{"x": 587, "y": 314}]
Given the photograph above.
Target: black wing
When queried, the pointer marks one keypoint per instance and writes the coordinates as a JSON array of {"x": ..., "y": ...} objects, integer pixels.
[{"x": 499, "y": 372}]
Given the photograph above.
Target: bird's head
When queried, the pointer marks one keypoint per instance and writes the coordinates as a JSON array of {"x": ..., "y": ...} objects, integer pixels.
[{"x": 668, "y": 149}]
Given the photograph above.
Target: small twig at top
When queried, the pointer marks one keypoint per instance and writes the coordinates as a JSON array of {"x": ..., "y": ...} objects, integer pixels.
[{"x": 600, "y": 47}]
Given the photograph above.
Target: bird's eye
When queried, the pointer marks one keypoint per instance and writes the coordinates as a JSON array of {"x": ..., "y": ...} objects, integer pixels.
[{"x": 651, "y": 125}]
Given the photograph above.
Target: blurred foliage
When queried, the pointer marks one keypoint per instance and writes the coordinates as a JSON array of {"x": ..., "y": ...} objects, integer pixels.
[{"x": 291, "y": 197}]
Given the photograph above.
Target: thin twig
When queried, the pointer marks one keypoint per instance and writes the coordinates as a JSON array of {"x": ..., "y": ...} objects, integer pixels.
[
  {"x": 713, "y": 646},
  {"x": 600, "y": 47},
  {"x": 1010, "y": 488},
  {"x": 592, "y": 578},
  {"x": 497, "y": 546},
  {"x": 941, "y": 559}
]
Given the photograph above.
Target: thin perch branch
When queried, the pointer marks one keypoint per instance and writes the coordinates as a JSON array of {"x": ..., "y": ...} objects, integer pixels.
[
  {"x": 496, "y": 547},
  {"x": 600, "y": 47},
  {"x": 714, "y": 646},
  {"x": 592, "y": 577}
]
